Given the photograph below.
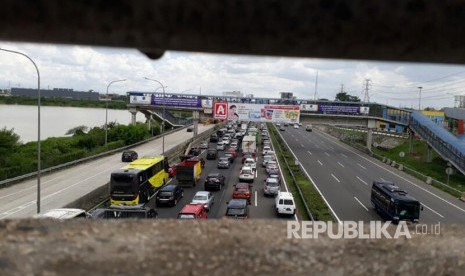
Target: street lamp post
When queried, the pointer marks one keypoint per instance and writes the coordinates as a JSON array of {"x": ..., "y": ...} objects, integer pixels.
[
  {"x": 162, "y": 115},
  {"x": 419, "y": 99},
  {"x": 38, "y": 125},
  {"x": 106, "y": 110}
]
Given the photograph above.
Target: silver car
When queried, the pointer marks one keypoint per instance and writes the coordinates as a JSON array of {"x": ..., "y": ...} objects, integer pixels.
[
  {"x": 204, "y": 198},
  {"x": 272, "y": 186},
  {"x": 266, "y": 159},
  {"x": 220, "y": 146},
  {"x": 272, "y": 168}
]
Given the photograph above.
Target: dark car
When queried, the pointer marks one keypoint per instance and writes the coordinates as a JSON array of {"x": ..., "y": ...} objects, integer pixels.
[
  {"x": 230, "y": 156},
  {"x": 237, "y": 209},
  {"x": 125, "y": 212},
  {"x": 282, "y": 128},
  {"x": 169, "y": 195},
  {"x": 129, "y": 156},
  {"x": 195, "y": 151},
  {"x": 214, "y": 138},
  {"x": 212, "y": 154},
  {"x": 223, "y": 163},
  {"x": 214, "y": 181},
  {"x": 243, "y": 191},
  {"x": 190, "y": 129}
]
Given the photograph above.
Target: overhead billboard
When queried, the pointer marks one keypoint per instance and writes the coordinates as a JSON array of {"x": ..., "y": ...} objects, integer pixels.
[
  {"x": 343, "y": 109},
  {"x": 140, "y": 98},
  {"x": 257, "y": 112},
  {"x": 176, "y": 102},
  {"x": 220, "y": 111},
  {"x": 309, "y": 107}
]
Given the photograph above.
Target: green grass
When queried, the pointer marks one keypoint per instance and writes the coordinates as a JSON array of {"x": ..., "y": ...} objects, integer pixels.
[{"x": 315, "y": 203}]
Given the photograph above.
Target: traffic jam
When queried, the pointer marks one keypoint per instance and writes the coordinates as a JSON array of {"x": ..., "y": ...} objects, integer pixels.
[{"x": 233, "y": 175}]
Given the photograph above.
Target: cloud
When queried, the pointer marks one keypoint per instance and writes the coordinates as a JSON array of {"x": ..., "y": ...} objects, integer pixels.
[{"x": 83, "y": 68}]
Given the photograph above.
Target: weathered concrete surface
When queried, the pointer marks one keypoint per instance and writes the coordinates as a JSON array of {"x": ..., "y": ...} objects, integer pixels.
[{"x": 216, "y": 247}]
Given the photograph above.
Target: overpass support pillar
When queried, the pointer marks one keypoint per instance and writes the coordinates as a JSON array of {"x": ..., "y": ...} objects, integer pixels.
[
  {"x": 148, "y": 121},
  {"x": 429, "y": 154},
  {"x": 410, "y": 141},
  {"x": 133, "y": 116},
  {"x": 369, "y": 138},
  {"x": 195, "y": 116},
  {"x": 371, "y": 124}
]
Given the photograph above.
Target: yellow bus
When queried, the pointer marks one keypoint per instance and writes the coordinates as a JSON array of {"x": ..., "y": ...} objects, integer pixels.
[{"x": 137, "y": 182}]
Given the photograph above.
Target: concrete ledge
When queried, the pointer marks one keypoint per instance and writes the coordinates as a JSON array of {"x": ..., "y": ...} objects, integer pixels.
[{"x": 215, "y": 247}]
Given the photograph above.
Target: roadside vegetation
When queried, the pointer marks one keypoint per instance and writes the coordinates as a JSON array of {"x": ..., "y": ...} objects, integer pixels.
[
  {"x": 18, "y": 159},
  {"x": 315, "y": 203},
  {"x": 415, "y": 160},
  {"x": 116, "y": 103}
]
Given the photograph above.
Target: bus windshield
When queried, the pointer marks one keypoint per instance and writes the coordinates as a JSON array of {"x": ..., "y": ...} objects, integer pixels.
[
  {"x": 408, "y": 210},
  {"x": 123, "y": 183}
]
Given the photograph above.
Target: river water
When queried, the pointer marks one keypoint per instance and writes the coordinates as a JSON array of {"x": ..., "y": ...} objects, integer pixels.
[{"x": 56, "y": 121}]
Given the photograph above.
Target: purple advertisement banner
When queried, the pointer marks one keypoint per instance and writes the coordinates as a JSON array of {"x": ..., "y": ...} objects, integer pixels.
[
  {"x": 338, "y": 109},
  {"x": 179, "y": 102}
]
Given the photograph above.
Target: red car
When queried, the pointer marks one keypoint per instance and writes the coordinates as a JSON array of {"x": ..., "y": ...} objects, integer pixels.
[
  {"x": 233, "y": 151},
  {"x": 193, "y": 211},
  {"x": 243, "y": 191},
  {"x": 172, "y": 171}
]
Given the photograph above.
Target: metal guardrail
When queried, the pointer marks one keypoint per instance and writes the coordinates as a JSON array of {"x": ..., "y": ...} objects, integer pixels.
[
  {"x": 10, "y": 181},
  {"x": 307, "y": 210}
]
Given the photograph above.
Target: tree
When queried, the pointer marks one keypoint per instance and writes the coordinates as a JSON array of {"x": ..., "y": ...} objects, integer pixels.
[
  {"x": 344, "y": 97},
  {"x": 79, "y": 130},
  {"x": 9, "y": 141}
]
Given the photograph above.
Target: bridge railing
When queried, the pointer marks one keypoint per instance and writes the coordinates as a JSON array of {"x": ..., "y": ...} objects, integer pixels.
[{"x": 445, "y": 149}]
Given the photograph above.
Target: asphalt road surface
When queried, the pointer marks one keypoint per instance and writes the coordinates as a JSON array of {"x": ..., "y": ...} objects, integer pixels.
[
  {"x": 344, "y": 176},
  {"x": 64, "y": 186},
  {"x": 261, "y": 207}
]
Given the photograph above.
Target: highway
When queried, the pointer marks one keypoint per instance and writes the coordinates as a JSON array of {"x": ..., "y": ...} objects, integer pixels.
[
  {"x": 261, "y": 207},
  {"x": 344, "y": 176},
  {"x": 64, "y": 186}
]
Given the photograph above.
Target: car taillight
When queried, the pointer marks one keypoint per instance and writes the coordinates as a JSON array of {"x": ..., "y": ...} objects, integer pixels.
[{"x": 135, "y": 196}]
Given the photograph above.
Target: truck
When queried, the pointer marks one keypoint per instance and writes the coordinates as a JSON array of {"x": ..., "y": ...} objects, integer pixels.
[
  {"x": 188, "y": 172},
  {"x": 249, "y": 144}
]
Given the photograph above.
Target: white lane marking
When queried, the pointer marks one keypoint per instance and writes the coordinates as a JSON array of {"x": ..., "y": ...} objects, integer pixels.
[
  {"x": 256, "y": 173},
  {"x": 335, "y": 178},
  {"x": 399, "y": 176},
  {"x": 432, "y": 210},
  {"x": 309, "y": 152},
  {"x": 362, "y": 180},
  {"x": 319, "y": 162},
  {"x": 327, "y": 154},
  {"x": 311, "y": 179},
  {"x": 302, "y": 145},
  {"x": 361, "y": 203},
  {"x": 360, "y": 165},
  {"x": 340, "y": 164},
  {"x": 382, "y": 179},
  {"x": 344, "y": 155},
  {"x": 256, "y": 199},
  {"x": 331, "y": 148}
]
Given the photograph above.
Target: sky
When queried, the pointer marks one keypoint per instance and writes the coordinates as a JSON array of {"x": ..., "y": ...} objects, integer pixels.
[{"x": 85, "y": 68}]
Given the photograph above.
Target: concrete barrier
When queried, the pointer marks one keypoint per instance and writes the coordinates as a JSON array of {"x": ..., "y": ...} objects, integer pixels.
[
  {"x": 401, "y": 167},
  {"x": 462, "y": 198},
  {"x": 429, "y": 180}
]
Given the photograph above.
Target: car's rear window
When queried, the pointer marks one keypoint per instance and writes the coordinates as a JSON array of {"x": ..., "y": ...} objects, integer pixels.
[{"x": 288, "y": 202}]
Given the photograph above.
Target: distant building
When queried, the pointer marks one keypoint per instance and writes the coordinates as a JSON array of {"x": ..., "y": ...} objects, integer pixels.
[
  {"x": 435, "y": 116},
  {"x": 66, "y": 93},
  {"x": 238, "y": 94}
]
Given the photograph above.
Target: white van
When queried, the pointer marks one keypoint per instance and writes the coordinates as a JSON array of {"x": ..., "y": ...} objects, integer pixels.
[{"x": 285, "y": 204}]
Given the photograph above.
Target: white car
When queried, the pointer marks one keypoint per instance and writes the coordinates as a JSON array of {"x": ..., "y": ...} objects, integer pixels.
[
  {"x": 296, "y": 126},
  {"x": 226, "y": 140},
  {"x": 272, "y": 167},
  {"x": 64, "y": 213},
  {"x": 204, "y": 145},
  {"x": 220, "y": 145},
  {"x": 246, "y": 174},
  {"x": 250, "y": 162},
  {"x": 285, "y": 204},
  {"x": 266, "y": 149},
  {"x": 203, "y": 198},
  {"x": 266, "y": 159},
  {"x": 233, "y": 145}
]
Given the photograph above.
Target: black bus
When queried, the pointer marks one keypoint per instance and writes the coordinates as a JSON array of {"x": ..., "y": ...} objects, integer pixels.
[{"x": 393, "y": 203}]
